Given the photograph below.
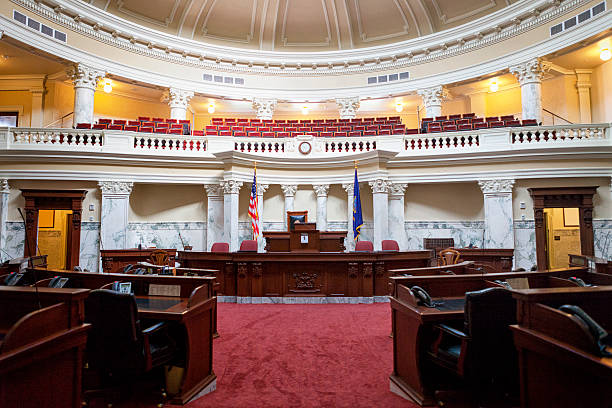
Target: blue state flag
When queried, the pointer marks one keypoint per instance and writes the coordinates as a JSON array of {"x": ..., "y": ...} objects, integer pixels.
[{"x": 357, "y": 216}]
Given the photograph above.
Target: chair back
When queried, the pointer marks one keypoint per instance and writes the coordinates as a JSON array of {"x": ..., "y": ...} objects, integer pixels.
[
  {"x": 364, "y": 246},
  {"x": 220, "y": 247},
  {"x": 248, "y": 245},
  {"x": 114, "y": 343},
  {"x": 448, "y": 256},
  {"x": 159, "y": 257},
  {"x": 389, "y": 245}
]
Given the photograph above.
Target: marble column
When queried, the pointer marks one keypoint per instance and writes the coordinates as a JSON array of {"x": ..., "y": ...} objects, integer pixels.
[
  {"x": 321, "y": 192},
  {"x": 231, "y": 193},
  {"x": 4, "y": 199},
  {"x": 397, "y": 223},
  {"x": 261, "y": 189},
  {"x": 85, "y": 79},
  {"x": 289, "y": 192},
  {"x": 178, "y": 99},
  {"x": 499, "y": 218},
  {"x": 36, "y": 118},
  {"x": 380, "y": 204},
  {"x": 432, "y": 99},
  {"x": 114, "y": 214},
  {"x": 350, "y": 237},
  {"x": 348, "y": 107},
  {"x": 583, "y": 85},
  {"x": 529, "y": 75},
  {"x": 264, "y": 107},
  {"x": 214, "y": 215}
]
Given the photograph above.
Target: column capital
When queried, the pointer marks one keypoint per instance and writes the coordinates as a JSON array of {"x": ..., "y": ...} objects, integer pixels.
[
  {"x": 262, "y": 188},
  {"x": 530, "y": 71},
  {"x": 583, "y": 78},
  {"x": 116, "y": 187},
  {"x": 349, "y": 188},
  {"x": 264, "y": 107},
  {"x": 380, "y": 186},
  {"x": 348, "y": 107},
  {"x": 213, "y": 190},
  {"x": 493, "y": 186},
  {"x": 83, "y": 76},
  {"x": 231, "y": 186},
  {"x": 289, "y": 189},
  {"x": 4, "y": 186},
  {"x": 177, "y": 98},
  {"x": 321, "y": 189},
  {"x": 396, "y": 190},
  {"x": 434, "y": 96}
]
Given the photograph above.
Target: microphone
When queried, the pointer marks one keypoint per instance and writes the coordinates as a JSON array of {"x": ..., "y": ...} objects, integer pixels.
[{"x": 30, "y": 265}]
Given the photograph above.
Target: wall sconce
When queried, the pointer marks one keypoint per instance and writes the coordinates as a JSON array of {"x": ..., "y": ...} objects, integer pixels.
[
  {"x": 399, "y": 107},
  {"x": 494, "y": 87},
  {"x": 108, "y": 85},
  {"x": 211, "y": 108},
  {"x": 605, "y": 54},
  {"x": 305, "y": 110}
]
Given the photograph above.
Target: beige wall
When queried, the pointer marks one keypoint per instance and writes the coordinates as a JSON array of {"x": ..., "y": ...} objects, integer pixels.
[
  {"x": 444, "y": 202},
  {"x": 15, "y": 101},
  {"x": 110, "y": 105},
  {"x": 167, "y": 203},
  {"x": 560, "y": 96},
  {"x": 59, "y": 101},
  {"x": 601, "y": 93},
  {"x": 506, "y": 102}
]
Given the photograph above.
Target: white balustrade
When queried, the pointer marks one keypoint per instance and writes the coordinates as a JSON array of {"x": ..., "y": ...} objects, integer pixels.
[
  {"x": 562, "y": 134},
  {"x": 165, "y": 142},
  {"x": 57, "y": 137}
]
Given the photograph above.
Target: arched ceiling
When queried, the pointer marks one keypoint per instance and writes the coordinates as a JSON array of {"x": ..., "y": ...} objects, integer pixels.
[{"x": 300, "y": 25}]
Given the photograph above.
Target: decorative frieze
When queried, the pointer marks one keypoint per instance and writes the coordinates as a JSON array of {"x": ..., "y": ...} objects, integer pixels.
[
  {"x": 494, "y": 186},
  {"x": 264, "y": 107},
  {"x": 4, "y": 186},
  {"x": 83, "y": 76},
  {"x": 348, "y": 107},
  {"x": 116, "y": 187}
]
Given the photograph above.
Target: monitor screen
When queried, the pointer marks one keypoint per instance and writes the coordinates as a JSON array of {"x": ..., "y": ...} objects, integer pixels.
[{"x": 294, "y": 218}]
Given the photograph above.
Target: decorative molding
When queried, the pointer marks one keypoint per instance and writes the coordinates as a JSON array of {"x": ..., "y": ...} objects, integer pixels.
[
  {"x": 112, "y": 187},
  {"x": 165, "y": 23},
  {"x": 434, "y": 96},
  {"x": 380, "y": 186},
  {"x": 289, "y": 189},
  {"x": 83, "y": 76},
  {"x": 213, "y": 190},
  {"x": 530, "y": 71},
  {"x": 231, "y": 186},
  {"x": 349, "y": 188},
  {"x": 449, "y": 20},
  {"x": 495, "y": 186},
  {"x": 348, "y": 107},
  {"x": 4, "y": 186},
  {"x": 321, "y": 190},
  {"x": 262, "y": 188},
  {"x": 397, "y": 190},
  {"x": 264, "y": 107},
  {"x": 177, "y": 98}
]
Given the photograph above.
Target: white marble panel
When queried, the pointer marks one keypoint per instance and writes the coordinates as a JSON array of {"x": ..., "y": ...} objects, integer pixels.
[
  {"x": 89, "y": 254},
  {"x": 15, "y": 239},
  {"x": 83, "y": 105},
  {"x": 380, "y": 202},
  {"x": 166, "y": 234},
  {"x": 499, "y": 229},
  {"x": 230, "y": 221},
  {"x": 322, "y": 213},
  {"x": 214, "y": 227},
  {"x": 602, "y": 231},
  {"x": 397, "y": 231},
  {"x": 524, "y": 244},
  {"x": 463, "y": 232},
  {"x": 114, "y": 222},
  {"x": 4, "y": 197}
]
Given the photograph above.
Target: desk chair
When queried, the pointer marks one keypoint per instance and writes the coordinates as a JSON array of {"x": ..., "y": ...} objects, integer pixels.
[
  {"x": 220, "y": 247},
  {"x": 364, "y": 246},
  {"x": 448, "y": 256},
  {"x": 389, "y": 245},
  {"x": 483, "y": 352},
  {"x": 248, "y": 245},
  {"x": 159, "y": 257},
  {"x": 118, "y": 350}
]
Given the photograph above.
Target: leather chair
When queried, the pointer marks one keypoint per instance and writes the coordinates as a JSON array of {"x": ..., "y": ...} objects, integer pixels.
[
  {"x": 248, "y": 245},
  {"x": 118, "y": 350},
  {"x": 364, "y": 246},
  {"x": 220, "y": 247},
  {"x": 483, "y": 352},
  {"x": 389, "y": 245},
  {"x": 448, "y": 256}
]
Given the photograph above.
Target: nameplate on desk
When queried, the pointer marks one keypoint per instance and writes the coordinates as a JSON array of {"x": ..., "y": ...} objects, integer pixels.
[
  {"x": 303, "y": 238},
  {"x": 164, "y": 290}
]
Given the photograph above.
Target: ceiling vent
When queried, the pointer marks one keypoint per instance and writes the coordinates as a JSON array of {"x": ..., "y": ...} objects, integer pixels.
[
  {"x": 578, "y": 19},
  {"x": 401, "y": 76},
  {"x": 38, "y": 26},
  {"x": 223, "y": 80}
]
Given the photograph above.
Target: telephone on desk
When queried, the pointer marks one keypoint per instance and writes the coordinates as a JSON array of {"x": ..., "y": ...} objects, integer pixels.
[
  {"x": 422, "y": 296},
  {"x": 600, "y": 337},
  {"x": 14, "y": 279},
  {"x": 578, "y": 281},
  {"x": 58, "y": 282}
]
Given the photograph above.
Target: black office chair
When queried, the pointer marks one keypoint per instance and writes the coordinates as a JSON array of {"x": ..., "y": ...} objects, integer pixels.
[
  {"x": 118, "y": 351},
  {"x": 483, "y": 352}
]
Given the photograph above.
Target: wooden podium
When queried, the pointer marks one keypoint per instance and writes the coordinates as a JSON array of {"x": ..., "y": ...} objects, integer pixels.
[{"x": 305, "y": 237}]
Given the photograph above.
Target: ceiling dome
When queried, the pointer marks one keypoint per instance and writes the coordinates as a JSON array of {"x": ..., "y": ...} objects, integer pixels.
[{"x": 300, "y": 25}]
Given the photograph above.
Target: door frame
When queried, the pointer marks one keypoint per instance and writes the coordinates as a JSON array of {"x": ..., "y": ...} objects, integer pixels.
[
  {"x": 36, "y": 200},
  {"x": 563, "y": 197}
]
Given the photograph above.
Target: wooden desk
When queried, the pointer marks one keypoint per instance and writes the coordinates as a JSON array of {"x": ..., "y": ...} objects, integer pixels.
[
  {"x": 295, "y": 274},
  {"x": 598, "y": 265},
  {"x": 114, "y": 260},
  {"x": 497, "y": 259},
  {"x": 557, "y": 366},
  {"x": 328, "y": 241},
  {"x": 41, "y": 355}
]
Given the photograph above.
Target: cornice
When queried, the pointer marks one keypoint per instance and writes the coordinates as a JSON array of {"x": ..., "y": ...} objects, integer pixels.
[{"x": 102, "y": 26}]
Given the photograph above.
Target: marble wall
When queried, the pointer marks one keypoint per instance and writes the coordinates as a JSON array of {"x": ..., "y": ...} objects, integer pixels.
[
  {"x": 15, "y": 239},
  {"x": 463, "y": 232},
  {"x": 602, "y": 231},
  {"x": 524, "y": 244},
  {"x": 166, "y": 234},
  {"x": 89, "y": 257}
]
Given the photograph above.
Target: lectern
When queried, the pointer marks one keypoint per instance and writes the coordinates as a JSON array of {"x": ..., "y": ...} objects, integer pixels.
[{"x": 304, "y": 237}]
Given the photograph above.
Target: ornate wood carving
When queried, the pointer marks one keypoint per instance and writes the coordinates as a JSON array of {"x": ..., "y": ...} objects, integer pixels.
[
  {"x": 242, "y": 270},
  {"x": 367, "y": 270},
  {"x": 352, "y": 270}
]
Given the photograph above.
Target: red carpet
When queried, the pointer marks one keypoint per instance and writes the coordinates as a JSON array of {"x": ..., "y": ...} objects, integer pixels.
[{"x": 303, "y": 356}]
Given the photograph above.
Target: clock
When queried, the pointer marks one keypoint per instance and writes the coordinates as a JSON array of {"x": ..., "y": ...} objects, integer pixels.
[{"x": 304, "y": 147}]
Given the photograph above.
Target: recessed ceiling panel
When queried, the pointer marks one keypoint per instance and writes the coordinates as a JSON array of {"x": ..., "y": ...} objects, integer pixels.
[
  {"x": 161, "y": 12},
  {"x": 304, "y": 23},
  {"x": 233, "y": 21},
  {"x": 380, "y": 20}
]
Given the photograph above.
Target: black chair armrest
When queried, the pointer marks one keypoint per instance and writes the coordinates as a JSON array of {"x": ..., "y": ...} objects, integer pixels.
[
  {"x": 154, "y": 329},
  {"x": 452, "y": 331}
]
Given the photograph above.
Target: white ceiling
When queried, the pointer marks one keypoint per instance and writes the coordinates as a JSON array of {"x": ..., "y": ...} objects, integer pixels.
[{"x": 300, "y": 25}]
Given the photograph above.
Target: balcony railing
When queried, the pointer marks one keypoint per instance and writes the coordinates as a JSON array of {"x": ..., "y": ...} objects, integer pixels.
[{"x": 36, "y": 141}]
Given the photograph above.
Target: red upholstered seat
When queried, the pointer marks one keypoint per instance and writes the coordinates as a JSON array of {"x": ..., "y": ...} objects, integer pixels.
[
  {"x": 133, "y": 123},
  {"x": 359, "y": 128},
  {"x": 83, "y": 126},
  {"x": 197, "y": 132},
  {"x": 345, "y": 129},
  {"x": 364, "y": 246},
  {"x": 243, "y": 120},
  {"x": 157, "y": 119},
  {"x": 530, "y": 122},
  {"x": 389, "y": 245},
  {"x": 99, "y": 126},
  {"x": 443, "y": 117},
  {"x": 171, "y": 121},
  {"x": 161, "y": 126},
  {"x": 339, "y": 134},
  {"x": 512, "y": 122},
  {"x": 184, "y": 121},
  {"x": 131, "y": 128},
  {"x": 480, "y": 125},
  {"x": 105, "y": 121},
  {"x": 507, "y": 117},
  {"x": 212, "y": 133},
  {"x": 175, "y": 131},
  {"x": 384, "y": 132},
  {"x": 119, "y": 122},
  {"x": 216, "y": 121},
  {"x": 225, "y": 133},
  {"x": 161, "y": 130},
  {"x": 449, "y": 128},
  {"x": 327, "y": 134},
  {"x": 146, "y": 129},
  {"x": 457, "y": 116},
  {"x": 463, "y": 122},
  {"x": 282, "y": 134},
  {"x": 369, "y": 133},
  {"x": 240, "y": 134},
  {"x": 469, "y": 115},
  {"x": 354, "y": 134},
  {"x": 412, "y": 131},
  {"x": 220, "y": 247},
  {"x": 492, "y": 119},
  {"x": 248, "y": 245},
  {"x": 477, "y": 120},
  {"x": 465, "y": 126},
  {"x": 267, "y": 134},
  {"x": 254, "y": 134},
  {"x": 144, "y": 118},
  {"x": 496, "y": 124}
]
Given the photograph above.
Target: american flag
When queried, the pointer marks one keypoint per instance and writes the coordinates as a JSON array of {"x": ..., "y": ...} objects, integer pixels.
[{"x": 253, "y": 207}]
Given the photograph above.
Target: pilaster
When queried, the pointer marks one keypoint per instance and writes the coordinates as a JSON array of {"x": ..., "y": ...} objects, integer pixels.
[
  {"x": 380, "y": 202},
  {"x": 231, "y": 192},
  {"x": 36, "y": 119},
  {"x": 583, "y": 85},
  {"x": 264, "y": 107},
  {"x": 350, "y": 197},
  {"x": 348, "y": 107},
  {"x": 85, "y": 79},
  {"x": 529, "y": 74},
  {"x": 321, "y": 191},
  {"x": 214, "y": 214},
  {"x": 397, "y": 229},
  {"x": 499, "y": 218},
  {"x": 289, "y": 192},
  {"x": 114, "y": 214}
]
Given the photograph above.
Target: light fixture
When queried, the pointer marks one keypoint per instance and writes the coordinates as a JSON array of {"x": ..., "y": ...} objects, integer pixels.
[
  {"x": 399, "y": 107},
  {"x": 108, "y": 85},
  {"x": 494, "y": 87},
  {"x": 211, "y": 108},
  {"x": 605, "y": 54},
  {"x": 305, "y": 110}
]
